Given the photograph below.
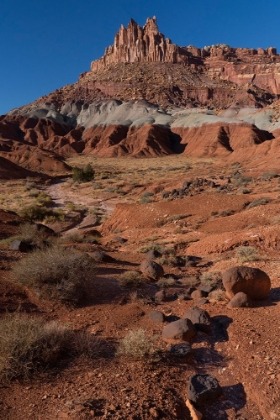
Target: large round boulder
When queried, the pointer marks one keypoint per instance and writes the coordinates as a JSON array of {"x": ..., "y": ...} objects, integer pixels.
[
  {"x": 252, "y": 281},
  {"x": 151, "y": 270},
  {"x": 180, "y": 330}
]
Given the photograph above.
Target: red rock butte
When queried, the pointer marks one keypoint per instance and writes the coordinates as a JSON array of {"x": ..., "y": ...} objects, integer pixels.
[{"x": 136, "y": 44}]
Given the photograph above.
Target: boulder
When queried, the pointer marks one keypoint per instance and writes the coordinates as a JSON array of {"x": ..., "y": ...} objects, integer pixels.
[
  {"x": 120, "y": 239},
  {"x": 202, "y": 301},
  {"x": 157, "y": 316},
  {"x": 180, "y": 350},
  {"x": 151, "y": 270},
  {"x": 200, "y": 319},
  {"x": 198, "y": 294},
  {"x": 240, "y": 300},
  {"x": 206, "y": 289},
  {"x": 181, "y": 330},
  {"x": 45, "y": 230},
  {"x": 160, "y": 296},
  {"x": 203, "y": 388},
  {"x": 252, "y": 281},
  {"x": 101, "y": 256},
  {"x": 152, "y": 254}
]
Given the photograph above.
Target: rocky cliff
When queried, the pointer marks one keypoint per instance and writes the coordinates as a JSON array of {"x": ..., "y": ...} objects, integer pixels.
[{"x": 242, "y": 66}]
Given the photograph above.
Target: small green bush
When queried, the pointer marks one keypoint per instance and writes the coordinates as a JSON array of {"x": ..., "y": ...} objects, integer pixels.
[
  {"x": 57, "y": 273},
  {"x": 131, "y": 278},
  {"x": 83, "y": 175},
  {"x": 246, "y": 253},
  {"x": 36, "y": 212}
]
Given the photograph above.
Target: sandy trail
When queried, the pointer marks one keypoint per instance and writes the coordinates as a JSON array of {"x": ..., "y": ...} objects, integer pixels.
[{"x": 60, "y": 195}]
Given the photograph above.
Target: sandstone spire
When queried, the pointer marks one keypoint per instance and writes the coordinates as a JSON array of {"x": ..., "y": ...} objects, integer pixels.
[{"x": 138, "y": 44}]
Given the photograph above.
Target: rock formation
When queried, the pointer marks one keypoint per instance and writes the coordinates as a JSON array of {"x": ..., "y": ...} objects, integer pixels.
[
  {"x": 135, "y": 44},
  {"x": 148, "y": 97}
]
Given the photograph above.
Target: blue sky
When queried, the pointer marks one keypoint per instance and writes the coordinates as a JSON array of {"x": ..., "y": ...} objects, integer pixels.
[{"x": 46, "y": 44}]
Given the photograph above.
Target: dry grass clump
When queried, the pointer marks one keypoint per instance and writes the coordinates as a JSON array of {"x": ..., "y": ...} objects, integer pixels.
[
  {"x": 218, "y": 294},
  {"x": 153, "y": 246},
  {"x": 166, "y": 282},
  {"x": 137, "y": 345},
  {"x": 131, "y": 278},
  {"x": 189, "y": 281},
  {"x": 246, "y": 253},
  {"x": 57, "y": 273},
  {"x": 28, "y": 344},
  {"x": 211, "y": 278}
]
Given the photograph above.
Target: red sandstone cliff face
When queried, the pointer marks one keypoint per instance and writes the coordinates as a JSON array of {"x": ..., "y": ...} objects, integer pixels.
[
  {"x": 135, "y": 44},
  {"x": 241, "y": 66}
]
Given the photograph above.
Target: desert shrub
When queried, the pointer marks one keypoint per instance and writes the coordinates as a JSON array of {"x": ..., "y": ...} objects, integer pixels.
[
  {"x": 147, "y": 194},
  {"x": 137, "y": 345},
  {"x": 226, "y": 213},
  {"x": 44, "y": 199},
  {"x": 178, "y": 230},
  {"x": 267, "y": 176},
  {"x": 34, "y": 192},
  {"x": 244, "y": 191},
  {"x": 154, "y": 246},
  {"x": 259, "y": 202},
  {"x": 83, "y": 175},
  {"x": 211, "y": 278},
  {"x": 177, "y": 217},
  {"x": 57, "y": 273},
  {"x": 144, "y": 200},
  {"x": 33, "y": 212},
  {"x": 36, "y": 212},
  {"x": 218, "y": 294},
  {"x": 166, "y": 282},
  {"x": 131, "y": 278},
  {"x": 246, "y": 253},
  {"x": 171, "y": 260},
  {"x": 29, "y": 185},
  {"x": 189, "y": 281},
  {"x": 29, "y": 344},
  {"x": 240, "y": 180}
]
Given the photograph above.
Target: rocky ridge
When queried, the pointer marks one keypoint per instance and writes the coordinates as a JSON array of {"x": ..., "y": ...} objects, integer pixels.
[{"x": 148, "y": 97}]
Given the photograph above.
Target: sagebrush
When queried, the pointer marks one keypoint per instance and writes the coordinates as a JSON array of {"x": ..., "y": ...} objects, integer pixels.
[
  {"x": 137, "y": 345},
  {"x": 57, "y": 273},
  {"x": 28, "y": 344}
]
